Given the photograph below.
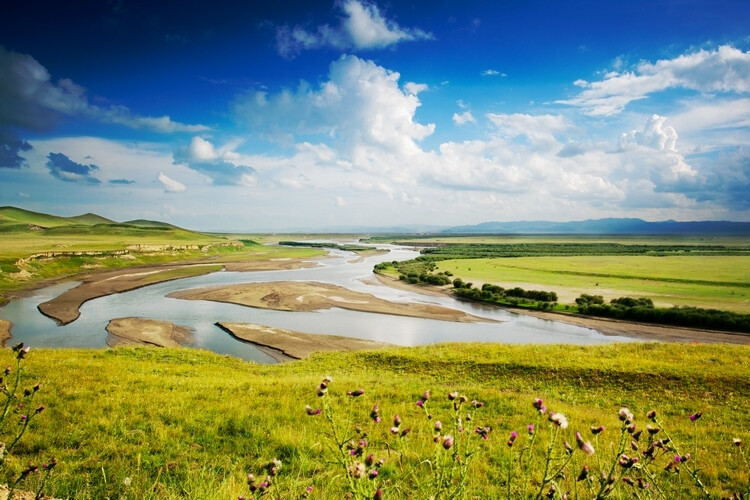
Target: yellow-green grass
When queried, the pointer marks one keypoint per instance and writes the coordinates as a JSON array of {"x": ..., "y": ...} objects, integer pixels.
[
  {"x": 191, "y": 424},
  {"x": 701, "y": 281}
]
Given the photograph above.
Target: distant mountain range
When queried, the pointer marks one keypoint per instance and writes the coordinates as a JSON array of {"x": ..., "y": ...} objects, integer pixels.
[
  {"x": 12, "y": 218},
  {"x": 604, "y": 226}
]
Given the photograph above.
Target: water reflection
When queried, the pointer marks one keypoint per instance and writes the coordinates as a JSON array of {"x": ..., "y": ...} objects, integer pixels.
[{"x": 339, "y": 268}]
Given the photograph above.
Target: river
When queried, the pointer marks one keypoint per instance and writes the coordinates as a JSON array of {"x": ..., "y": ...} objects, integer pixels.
[{"x": 340, "y": 268}]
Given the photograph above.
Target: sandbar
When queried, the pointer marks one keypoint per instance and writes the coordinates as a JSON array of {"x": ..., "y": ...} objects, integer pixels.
[
  {"x": 4, "y": 331},
  {"x": 151, "y": 332},
  {"x": 286, "y": 345},
  {"x": 65, "y": 308},
  {"x": 315, "y": 296}
]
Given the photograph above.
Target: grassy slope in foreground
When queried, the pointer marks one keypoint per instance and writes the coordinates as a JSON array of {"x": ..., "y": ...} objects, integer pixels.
[{"x": 191, "y": 424}]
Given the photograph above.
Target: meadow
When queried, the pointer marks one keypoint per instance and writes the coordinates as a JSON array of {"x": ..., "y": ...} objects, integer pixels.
[{"x": 166, "y": 423}]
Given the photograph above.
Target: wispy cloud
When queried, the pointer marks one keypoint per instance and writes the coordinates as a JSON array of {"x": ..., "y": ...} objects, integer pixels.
[
  {"x": 463, "y": 118},
  {"x": 725, "y": 69},
  {"x": 362, "y": 26},
  {"x": 170, "y": 185},
  {"x": 32, "y": 101}
]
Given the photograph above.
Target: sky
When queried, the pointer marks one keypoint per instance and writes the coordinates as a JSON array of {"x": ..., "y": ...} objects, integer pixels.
[{"x": 316, "y": 115}]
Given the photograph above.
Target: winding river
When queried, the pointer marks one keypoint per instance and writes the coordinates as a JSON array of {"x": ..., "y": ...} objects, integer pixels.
[{"x": 340, "y": 268}]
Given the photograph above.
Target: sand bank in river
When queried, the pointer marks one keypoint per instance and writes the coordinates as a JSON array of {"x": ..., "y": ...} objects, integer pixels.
[
  {"x": 65, "y": 308},
  {"x": 142, "y": 331},
  {"x": 4, "y": 331},
  {"x": 314, "y": 296},
  {"x": 286, "y": 345}
]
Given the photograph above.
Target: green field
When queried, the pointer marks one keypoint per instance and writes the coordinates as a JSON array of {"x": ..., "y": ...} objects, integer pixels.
[
  {"x": 159, "y": 423},
  {"x": 701, "y": 281}
]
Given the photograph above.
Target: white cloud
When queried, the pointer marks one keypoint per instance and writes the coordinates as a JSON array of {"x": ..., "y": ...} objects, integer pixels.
[
  {"x": 492, "y": 72},
  {"x": 725, "y": 69},
  {"x": 202, "y": 150},
  {"x": 415, "y": 88},
  {"x": 170, "y": 185},
  {"x": 32, "y": 101},
  {"x": 463, "y": 118},
  {"x": 340, "y": 202},
  {"x": 362, "y": 27},
  {"x": 537, "y": 128}
]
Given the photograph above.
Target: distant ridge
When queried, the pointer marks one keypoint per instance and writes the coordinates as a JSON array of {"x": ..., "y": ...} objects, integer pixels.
[{"x": 604, "y": 226}]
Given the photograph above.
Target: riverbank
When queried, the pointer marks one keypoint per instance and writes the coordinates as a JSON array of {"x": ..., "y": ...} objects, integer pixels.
[
  {"x": 611, "y": 327},
  {"x": 314, "y": 296},
  {"x": 286, "y": 345}
]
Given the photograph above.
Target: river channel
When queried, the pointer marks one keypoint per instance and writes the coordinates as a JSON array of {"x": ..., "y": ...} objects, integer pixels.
[{"x": 339, "y": 268}]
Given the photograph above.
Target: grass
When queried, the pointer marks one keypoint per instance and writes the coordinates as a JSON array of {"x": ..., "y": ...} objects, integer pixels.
[
  {"x": 701, "y": 281},
  {"x": 191, "y": 424}
]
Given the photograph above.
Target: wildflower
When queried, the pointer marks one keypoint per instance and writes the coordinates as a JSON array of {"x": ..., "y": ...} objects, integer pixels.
[
  {"x": 642, "y": 484},
  {"x": 374, "y": 414},
  {"x": 378, "y": 495},
  {"x": 512, "y": 439},
  {"x": 358, "y": 470},
  {"x": 405, "y": 431},
  {"x": 420, "y": 403},
  {"x": 530, "y": 428},
  {"x": 438, "y": 426},
  {"x": 597, "y": 430},
  {"x": 696, "y": 416},
  {"x": 627, "y": 480},
  {"x": 356, "y": 393},
  {"x": 373, "y": 473},
  {"x": 425, "y": 395},
  {"x": 394, "y": 430},
  {"x": 652, "y": 430},
  {"x": 637, "y": 435},
  {"x": 737, "y": 441},
  {"x": 369, "y": 460},
  {"x": 448, "y": 442},
  {"x": 585, "y": 446},
  {"x": 126, "y": 482},
  {"x": 677, "y": 459},
  {"x": 539, "y": 405},
  {"x": 476, "y": 404},
  {"x": 327, "y": 380},
  {"x": 7, "y": 370},
  {"x": 312, "y": 412},
  {"x": 559, "y": 420},
  {"x": 397, "y": 421},
  {"x": 625, "y": 415},
  {"x": 274, "y": 466},
  {"x": 37, "y": 387},
  {"x": 23, "y": 352},
  {"x": 485, "y": 431},
  {"x": 584, "y": 473},
  {"x": 452, "y": 396},
  {"x": 568, "y": 448}
]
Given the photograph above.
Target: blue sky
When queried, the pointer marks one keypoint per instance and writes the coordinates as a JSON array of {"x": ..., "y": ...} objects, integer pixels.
[{"x": 319, "y": 114}]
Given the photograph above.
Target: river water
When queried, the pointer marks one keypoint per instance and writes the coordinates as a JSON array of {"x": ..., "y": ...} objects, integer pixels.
[{"x": 340, "y": 268}]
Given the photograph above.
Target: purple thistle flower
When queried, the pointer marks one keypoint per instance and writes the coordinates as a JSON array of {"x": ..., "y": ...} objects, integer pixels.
[
  {"x": 597, "y": 430},
  {"x": 356, "y": 393},
  {"x": 448, "y": 442},
  {"x": 438, "y": 426},
  {"x": 512, "y": 439},
  {"x": 530, "y": 428},
  {"x": 696, "y": 416},
  {"x": 378, "y": 495},
  {"x": 397, "y": 420},
  {"x": 373, "y": 473},
  {"x": 420, "y": 403},
  {"x": 452, "y": 396},
  {"x": 476, "y": 404}
]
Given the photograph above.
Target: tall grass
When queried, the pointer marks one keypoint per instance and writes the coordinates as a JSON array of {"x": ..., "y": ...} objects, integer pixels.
[{"x": 160, "y": 423}]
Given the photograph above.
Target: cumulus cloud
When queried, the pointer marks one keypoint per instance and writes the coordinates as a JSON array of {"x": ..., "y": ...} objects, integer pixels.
[
  {"x": 10, "y": 148},
  {"x": 223, "y": 167},
  {"x": 362, "y": 26},
  {"x": 725, "y": 69},
  {"x": 30, "y": 100},
  {"x": 463, "y": 118},
  {"x": 170, "y": 185},
  {"x": 65, "y": 169},
  {"x": 361, "y": 107}
]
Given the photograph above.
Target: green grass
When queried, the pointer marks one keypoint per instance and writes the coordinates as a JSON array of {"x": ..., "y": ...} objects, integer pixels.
[
  {"x": 191, "y": 424},
  {"x": 700, "y": 281}
]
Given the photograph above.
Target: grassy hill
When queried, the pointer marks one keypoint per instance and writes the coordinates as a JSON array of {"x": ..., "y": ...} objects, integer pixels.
[
  {"x": 36, "y": 246},
  {"x": 158, "y": 423}
]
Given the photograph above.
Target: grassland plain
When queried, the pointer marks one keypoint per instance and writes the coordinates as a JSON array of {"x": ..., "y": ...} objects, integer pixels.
[
  {"x": 701, "y": 281},
  {"x": 184, "y": 423}
]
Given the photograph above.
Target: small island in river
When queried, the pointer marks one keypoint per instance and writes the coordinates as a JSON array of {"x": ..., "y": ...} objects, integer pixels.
[{"x": 314, "y": 296}]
